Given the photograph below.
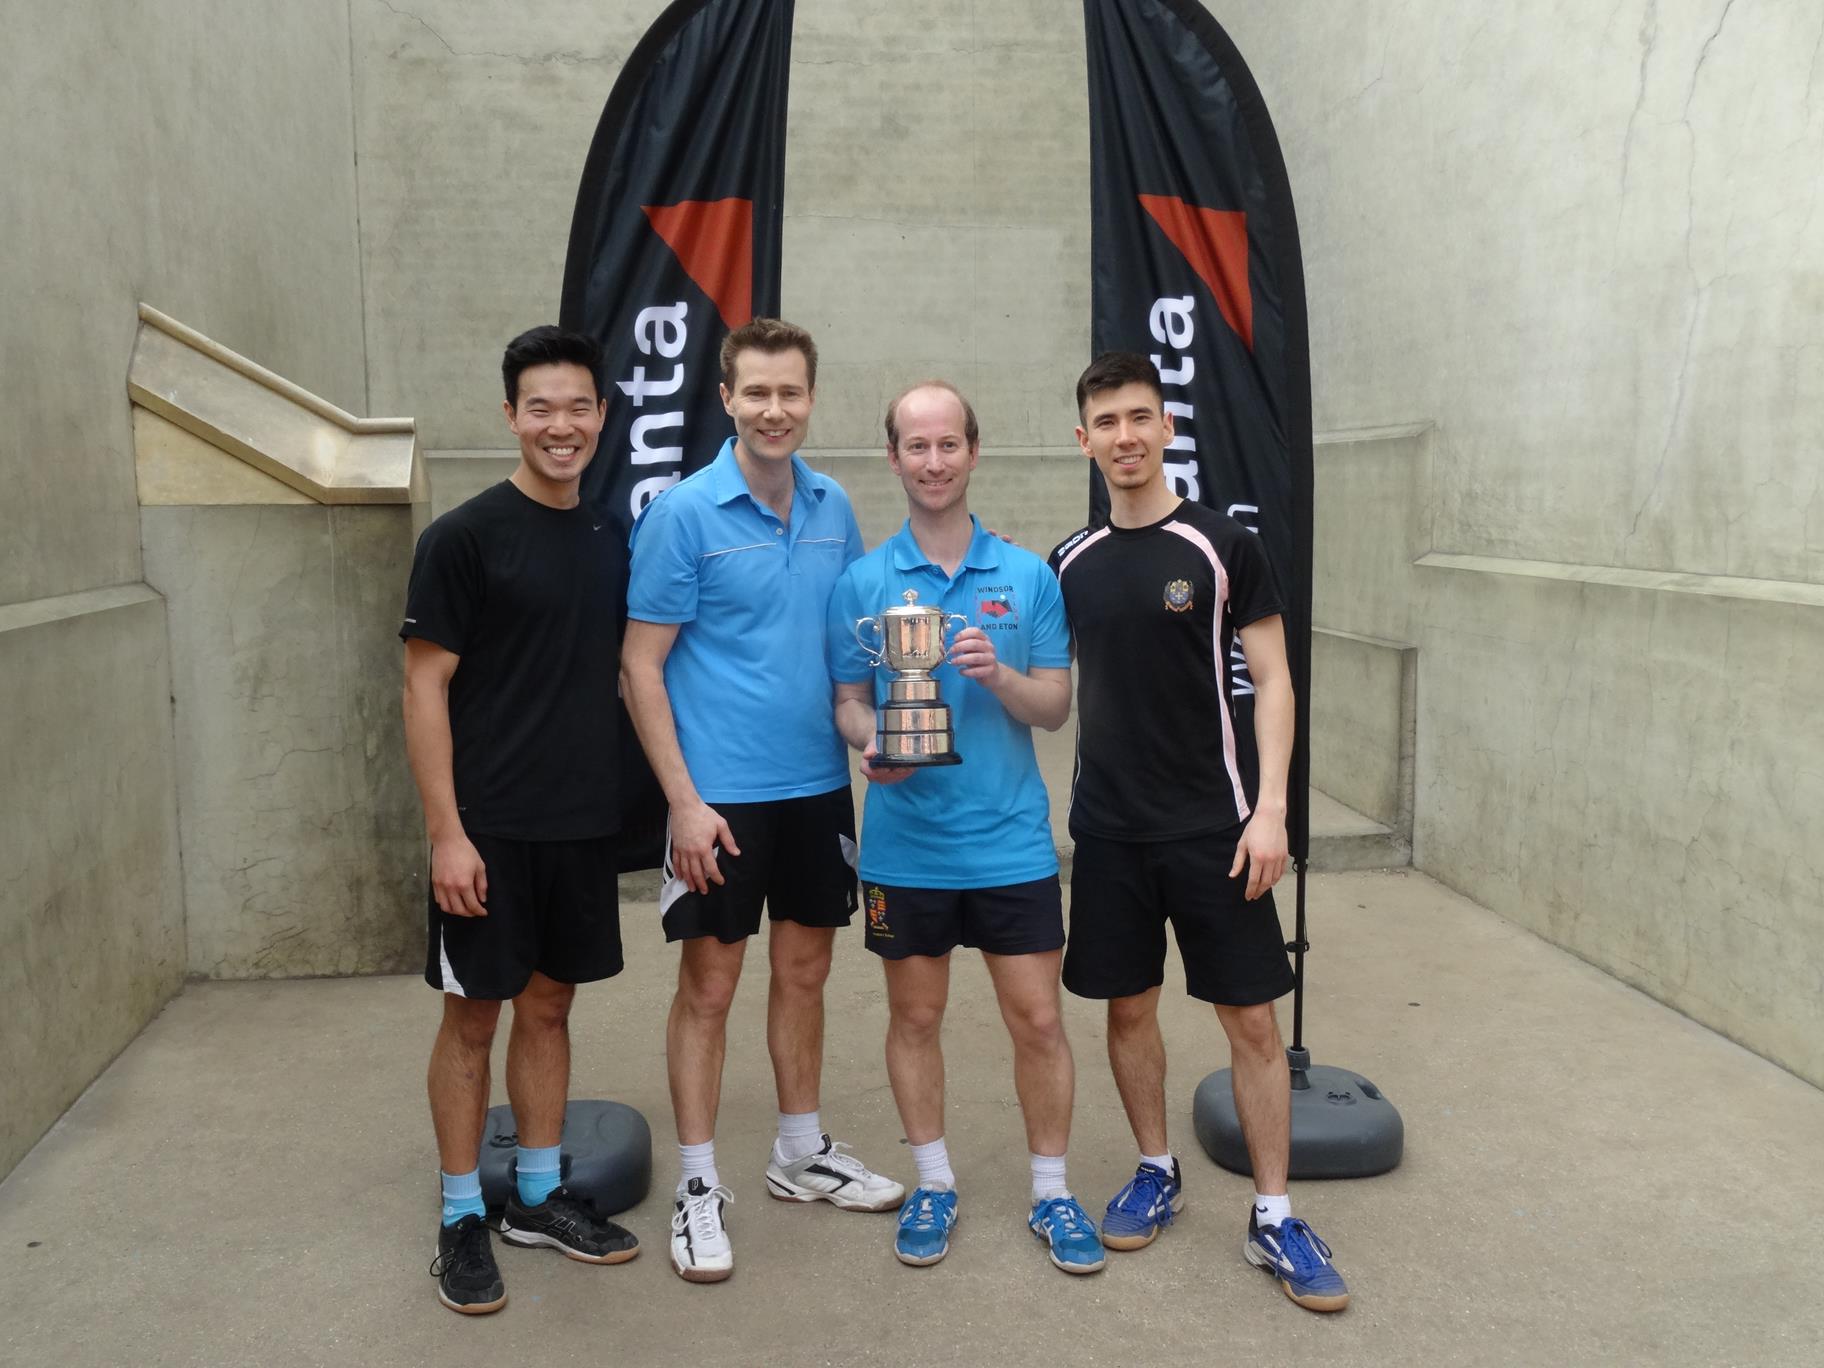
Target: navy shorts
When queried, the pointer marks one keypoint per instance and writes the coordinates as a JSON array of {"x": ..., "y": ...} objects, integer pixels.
[
  {"x": 1013, "y": 919},
  {"x": 1122, "y": 894}
]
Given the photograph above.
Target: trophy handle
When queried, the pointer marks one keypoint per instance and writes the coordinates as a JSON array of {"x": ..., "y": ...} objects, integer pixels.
[
  {"x": 950, "y": 618},
  {"x": 876, "y": 653}
]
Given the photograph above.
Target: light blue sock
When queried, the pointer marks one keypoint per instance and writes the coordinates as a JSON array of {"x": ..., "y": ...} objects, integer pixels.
[
  {"x": 462, "y": 1196},
  {"x": 540, "y": 1170}
]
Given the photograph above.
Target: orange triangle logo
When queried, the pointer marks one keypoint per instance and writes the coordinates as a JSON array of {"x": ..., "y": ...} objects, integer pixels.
[
  {"x": 713, "y": 241},
  {"x": 1215, "y": 242}
]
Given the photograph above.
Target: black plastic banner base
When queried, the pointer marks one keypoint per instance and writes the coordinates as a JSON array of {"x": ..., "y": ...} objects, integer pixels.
[
  {"x": 1342, "y": 1126},
  {"x": 607, "y": 1155}
]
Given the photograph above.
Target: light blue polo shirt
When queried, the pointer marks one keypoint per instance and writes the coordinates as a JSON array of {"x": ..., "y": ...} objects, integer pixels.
[
  {"x": 750, "y": 694},
  {"x": 985, "y": 822}
]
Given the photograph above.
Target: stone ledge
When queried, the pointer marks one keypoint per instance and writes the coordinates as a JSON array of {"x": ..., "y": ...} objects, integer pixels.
[
  {"x": 267, "y": 421},
  {"x": 38, "y": 612},
  {"x": 1618, "y": 577}
]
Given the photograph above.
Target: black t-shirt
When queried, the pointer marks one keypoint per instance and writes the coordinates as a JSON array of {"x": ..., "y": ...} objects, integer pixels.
[
  {"x": 1154, "y": 611},
  {"x": 533, "y": 599}
]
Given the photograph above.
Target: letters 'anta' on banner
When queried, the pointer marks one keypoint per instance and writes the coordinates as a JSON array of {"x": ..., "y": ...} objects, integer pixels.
[
  {"x": 1195, "y": 262},
  {"x": 676, "y": 236}
]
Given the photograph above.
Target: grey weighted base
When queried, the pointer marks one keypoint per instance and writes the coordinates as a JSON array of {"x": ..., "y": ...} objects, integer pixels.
[
  {"x": 607, "y": 1155},
  {"x": 1342, "y": 1126}
]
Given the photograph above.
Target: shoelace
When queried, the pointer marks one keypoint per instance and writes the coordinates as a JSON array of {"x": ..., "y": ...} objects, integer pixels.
[
  {"x": 1065, "y": 1212},
  {"x": 925, "y": 1215},
  {"x": 700, "y": 1213},
  {"x": 467, "y": 1255},
  {"x": 1303, "y": 1245},
  {"x": 1143, "y": 1196},
  {"x": 839, "y": 1158}
]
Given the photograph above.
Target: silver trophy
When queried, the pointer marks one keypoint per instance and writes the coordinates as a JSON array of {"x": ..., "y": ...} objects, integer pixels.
[{"x": 913, "y": 725}]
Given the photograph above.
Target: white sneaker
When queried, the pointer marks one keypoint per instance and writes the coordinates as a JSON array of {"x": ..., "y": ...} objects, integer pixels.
[
  {"x": 700, "y": 1250},
  {"x": 833, "y": 1175}
]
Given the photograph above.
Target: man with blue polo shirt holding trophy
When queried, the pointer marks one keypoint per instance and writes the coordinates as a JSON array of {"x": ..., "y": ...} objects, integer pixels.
[
  {"x": 723, "y": 673},
  {"x": 960, "y": 854}
]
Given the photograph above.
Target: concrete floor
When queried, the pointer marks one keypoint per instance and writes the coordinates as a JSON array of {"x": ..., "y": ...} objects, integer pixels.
[{"x": 1589, "y": 1178}]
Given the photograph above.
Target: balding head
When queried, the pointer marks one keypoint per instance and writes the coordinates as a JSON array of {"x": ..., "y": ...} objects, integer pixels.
[{"x": 971, "y": 430}]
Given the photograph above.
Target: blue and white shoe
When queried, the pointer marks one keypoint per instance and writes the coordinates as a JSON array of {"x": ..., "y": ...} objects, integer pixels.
[
  {"x": 925, "y": 1222},
  {"x": 1062, "y": 1223},
  {"x": 1292, "y": 1252},
  {"x": 1143, "y": 1208}
]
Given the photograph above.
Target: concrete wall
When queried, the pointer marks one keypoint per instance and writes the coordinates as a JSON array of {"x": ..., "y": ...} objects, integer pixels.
[
  {"x": 936, "y": 200},
  {"x": 1583, "y": 243},
  {"x": 175, "y": 152},
  {"x": 91, "y": 929},
  {"x": 303, "y": 847},
  {"x": 1364, "y": 724}
]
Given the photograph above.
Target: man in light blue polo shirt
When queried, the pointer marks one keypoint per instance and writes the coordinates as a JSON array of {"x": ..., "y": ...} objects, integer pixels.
[
  {"x": 722, "y": 669},
  {"x": 963, "y": 855}
]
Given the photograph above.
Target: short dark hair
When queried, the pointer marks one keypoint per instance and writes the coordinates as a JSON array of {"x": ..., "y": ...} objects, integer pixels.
[
  {"x": 1112, "y": 370},
  {"x": 547, "y": 345},
  {"x": 972, "y": 430},
  {"x": 770, "y": 335}
]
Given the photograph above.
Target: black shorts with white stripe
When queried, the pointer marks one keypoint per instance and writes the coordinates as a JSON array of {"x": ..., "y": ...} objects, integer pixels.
[
  {"x": 553, "y": 907},
  {"x": 797, "y": 860}
]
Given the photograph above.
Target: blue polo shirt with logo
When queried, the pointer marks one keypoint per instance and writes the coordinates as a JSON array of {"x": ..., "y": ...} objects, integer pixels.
[
  {"x": 750, "y": 695},
  {"x": 985, "y": 822}
]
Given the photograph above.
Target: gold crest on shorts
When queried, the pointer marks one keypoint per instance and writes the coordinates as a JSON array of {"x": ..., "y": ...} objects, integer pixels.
[
  {"x": 877, "y": 912},
  {"x": 1178, "y": 596}
]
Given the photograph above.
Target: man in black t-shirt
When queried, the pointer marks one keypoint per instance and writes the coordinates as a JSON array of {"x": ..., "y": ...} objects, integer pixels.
[
  {"x": 1164, "y": 823},
  {"x": 512, "y": 649}
]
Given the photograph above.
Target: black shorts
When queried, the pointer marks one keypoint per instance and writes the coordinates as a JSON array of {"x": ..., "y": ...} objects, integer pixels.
[
  {"x": 553, "y": 906},
  {"x": 1122, "y": 893},
  {"x": 1013, "y": 919},
  {"x": 797, "y": 857}
]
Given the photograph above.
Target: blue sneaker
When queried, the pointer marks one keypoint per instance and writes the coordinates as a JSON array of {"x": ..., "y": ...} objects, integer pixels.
[
  {"x": 1143, "y": 1208},
  {"x": 1292, "y": 1252},
  {"x": 925, "y": 1222},
  {"x": 1063, "y": 1223}
]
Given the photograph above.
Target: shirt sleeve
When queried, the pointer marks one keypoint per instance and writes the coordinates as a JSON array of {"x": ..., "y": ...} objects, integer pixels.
[
  {"x": 848, "y": 662},
  {"x": 444, "y": 595},
  {"x": 1050, "y": 626},
  {"x": 1253, "y": 595},
  {"x": 662, "y": 572}
]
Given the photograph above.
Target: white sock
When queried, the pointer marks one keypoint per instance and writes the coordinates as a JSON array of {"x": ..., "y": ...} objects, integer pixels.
[
  {"x": 1271, "y": 1210},
  {"x": 698, "y": 1161},
  {"x": 1048, "y": 1177},
  {"x": 800, "y": 1133},
  {"x": 933, "y": 1162},
  {"x": 1158, "y": 1161}
]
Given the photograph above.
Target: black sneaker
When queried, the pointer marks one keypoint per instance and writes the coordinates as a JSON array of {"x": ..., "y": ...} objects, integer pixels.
[
  {"x": 568, "y": 1224},
  {"x": 467, "y": 1278}
]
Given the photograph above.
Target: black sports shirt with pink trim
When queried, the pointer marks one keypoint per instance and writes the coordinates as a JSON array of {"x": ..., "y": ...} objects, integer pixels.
[{"x": 1154, "y": 611}]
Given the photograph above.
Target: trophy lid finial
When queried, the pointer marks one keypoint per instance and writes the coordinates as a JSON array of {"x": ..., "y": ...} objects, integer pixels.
[{"x": 910, "y": 596}]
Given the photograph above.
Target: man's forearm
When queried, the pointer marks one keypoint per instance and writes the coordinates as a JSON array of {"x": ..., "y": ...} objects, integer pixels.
[
  {"x": 1042, "y": 701},
  {"x": 1273, "y": 727},
  {"x": 855, "y": 721},
  {"x": 649, "y": 706},
  {"x": 430, "y": 751}
]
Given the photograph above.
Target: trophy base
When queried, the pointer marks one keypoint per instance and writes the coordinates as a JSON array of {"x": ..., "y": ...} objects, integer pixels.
[{"x": 915, "y": 761}]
